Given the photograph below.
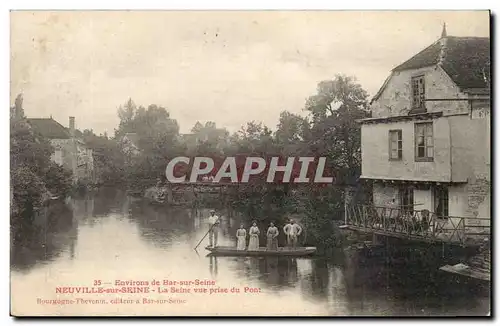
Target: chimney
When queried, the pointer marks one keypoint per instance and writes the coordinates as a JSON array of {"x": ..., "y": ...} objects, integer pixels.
[{"x": 72, "y": 126}]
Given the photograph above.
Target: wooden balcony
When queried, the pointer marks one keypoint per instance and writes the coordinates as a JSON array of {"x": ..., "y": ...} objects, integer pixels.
[{"x": 417, "y": 225}]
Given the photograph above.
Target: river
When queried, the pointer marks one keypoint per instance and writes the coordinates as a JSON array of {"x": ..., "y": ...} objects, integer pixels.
[{"x": 110, "y": 237}]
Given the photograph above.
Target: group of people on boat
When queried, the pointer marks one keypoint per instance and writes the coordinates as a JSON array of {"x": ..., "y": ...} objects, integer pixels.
[{"x": 292, "y": 231}]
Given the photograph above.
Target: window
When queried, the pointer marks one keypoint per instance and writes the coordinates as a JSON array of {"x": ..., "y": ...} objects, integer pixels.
[
  {"x": 57, "y": 156},
  {"x": 406, "y": 199},
  {"x": 441, "y": 202},
  {"x": 395, "y": 145},
  {"x": 418, "y": 93},
  {"x": 424, "y": 142}
]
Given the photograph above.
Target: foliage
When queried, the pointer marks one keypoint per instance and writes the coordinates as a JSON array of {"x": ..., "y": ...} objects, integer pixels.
[
  {"x": 158, "y": 140},
  {"x": 28, "y": 149},
  {"x": 28, "y": 189},
  {"x": 322, "y": 208},
  {"x": 58, "y": 180},
  {"x": 33, "y": 175},
  {"x": 336, "y": 133}
]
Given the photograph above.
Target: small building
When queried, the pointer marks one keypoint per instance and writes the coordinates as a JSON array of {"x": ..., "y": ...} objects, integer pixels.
[
  {"x": 191, "y": 141},
  {"x": 130, "y": 144},
  {"x": 427, "y": 144},
  {"x": 69, "y": 150}
]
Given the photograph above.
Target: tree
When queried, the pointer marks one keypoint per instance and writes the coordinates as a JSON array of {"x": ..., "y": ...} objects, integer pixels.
[
  {"x": 336, "y": 134},
  {"x": 126, "y": 113},
  {"x": 17, "y": 111},
  {"x": 254, "y": 138},
  {"x": 157, "y": 138},
  {"x": 335, "y": 109},
  {"x": 58, "y": 180},
  {"x": 291, "y": 133},
  {"x": 342, "y": 92},
  {"x": 28, "y": 149},
  {"x": 28, "y": 191}
]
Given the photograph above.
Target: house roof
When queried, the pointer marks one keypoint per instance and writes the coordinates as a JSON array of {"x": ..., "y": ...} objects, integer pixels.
[
  {"x": 132, "y": 137},
  {"x": 465, "y": 59},
  {"x": 49, "y": 128},
  {"x": 187, "y": 137},
  {"x": 425, "y": 58}
]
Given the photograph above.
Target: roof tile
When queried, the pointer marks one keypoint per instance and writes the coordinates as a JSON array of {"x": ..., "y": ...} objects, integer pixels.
[
  {"x": 49, "y": 128},
  {"x": 465, "y": 60}
]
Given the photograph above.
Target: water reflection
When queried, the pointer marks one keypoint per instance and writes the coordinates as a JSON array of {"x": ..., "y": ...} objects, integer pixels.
[
  {"x": 123, "y": 235},
  {"x": 279, "y": 273},
  {"x": 163, "y": 226},
  {"x": 43, "y": 237},
  {"x": 213, "y": 266}
]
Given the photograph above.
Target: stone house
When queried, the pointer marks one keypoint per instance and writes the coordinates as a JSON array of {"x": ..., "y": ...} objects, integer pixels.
[
  {"x": 427, "y": 144},
  {"x": 70, "y": 150}
]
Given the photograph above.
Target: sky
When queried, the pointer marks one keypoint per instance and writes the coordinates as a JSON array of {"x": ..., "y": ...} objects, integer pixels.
[{"x": 229, "y": 67}]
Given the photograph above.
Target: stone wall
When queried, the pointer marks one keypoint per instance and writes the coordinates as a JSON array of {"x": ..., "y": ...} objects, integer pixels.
[
  {"x": 395, "y": 99},
  {"x": 385, "y": 195},
  {"x": 479, "y": 193}
]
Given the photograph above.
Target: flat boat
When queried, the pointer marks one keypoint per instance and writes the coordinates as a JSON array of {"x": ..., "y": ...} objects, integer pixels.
[{"x": 262, "y": 251}]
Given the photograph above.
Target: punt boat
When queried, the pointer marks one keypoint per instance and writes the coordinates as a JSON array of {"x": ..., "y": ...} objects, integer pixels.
[{"x": 262, "y": 251}]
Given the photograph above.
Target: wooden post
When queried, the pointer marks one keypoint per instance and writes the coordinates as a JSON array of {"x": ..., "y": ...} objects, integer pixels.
[
  {"x": 346, "y": 200},
  {"x": 345, "y": 212},
  {"x": 384, "y": 219}
]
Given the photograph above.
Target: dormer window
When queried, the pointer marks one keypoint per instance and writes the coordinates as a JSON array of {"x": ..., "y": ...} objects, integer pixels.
[{"x": 418, "y": 93}]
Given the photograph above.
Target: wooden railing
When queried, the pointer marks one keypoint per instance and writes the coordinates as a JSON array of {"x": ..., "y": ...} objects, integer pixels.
[{"x": 417, "y": 224}]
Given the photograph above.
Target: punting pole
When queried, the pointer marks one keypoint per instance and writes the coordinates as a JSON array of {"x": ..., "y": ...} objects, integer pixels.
[{"x": 206, "y": 234}]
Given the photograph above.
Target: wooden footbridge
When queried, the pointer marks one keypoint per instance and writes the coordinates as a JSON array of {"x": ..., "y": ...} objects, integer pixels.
[
  {"x": 187, "y": 193},
  {"x": 422, "y": 226},
  {"x": 202, "y": 187}
]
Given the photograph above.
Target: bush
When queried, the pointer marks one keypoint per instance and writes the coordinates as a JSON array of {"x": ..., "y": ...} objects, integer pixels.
[
  {"x": 58, "y": 180},
  {"x": 29, "y": 190}
]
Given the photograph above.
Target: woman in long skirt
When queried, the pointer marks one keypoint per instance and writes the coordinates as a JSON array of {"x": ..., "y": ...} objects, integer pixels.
[
  {"x": 272, "y": 237},
  {"x": 241, "y": 235},
  {"x": 253, "y": 243}
]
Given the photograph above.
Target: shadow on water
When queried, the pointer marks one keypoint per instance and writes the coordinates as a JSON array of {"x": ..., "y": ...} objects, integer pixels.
[
  {"x": 351, "y": 283},
  {"x": 278, "y": 273},
  {"x": 411, "y": 286},
  {"x": 42, "y": 236}
]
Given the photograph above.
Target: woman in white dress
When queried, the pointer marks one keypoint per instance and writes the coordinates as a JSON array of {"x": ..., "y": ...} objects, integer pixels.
[
  {"x": 241, "y": 235},
  {"x": 253, "y": 243}
]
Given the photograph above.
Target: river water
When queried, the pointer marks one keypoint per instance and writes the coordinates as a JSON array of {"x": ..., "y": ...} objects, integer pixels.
[{"x": 110, "y": 237}]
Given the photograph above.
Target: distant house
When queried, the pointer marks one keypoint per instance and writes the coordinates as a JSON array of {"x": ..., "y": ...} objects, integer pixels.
[
  {"x": 427, "y": 144},
  {"x": 193, "y": 140},
  {"x": 69, "y": 150},
  {"x": 130, "y": 144},
  {"x": 190, "y": 140}
]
